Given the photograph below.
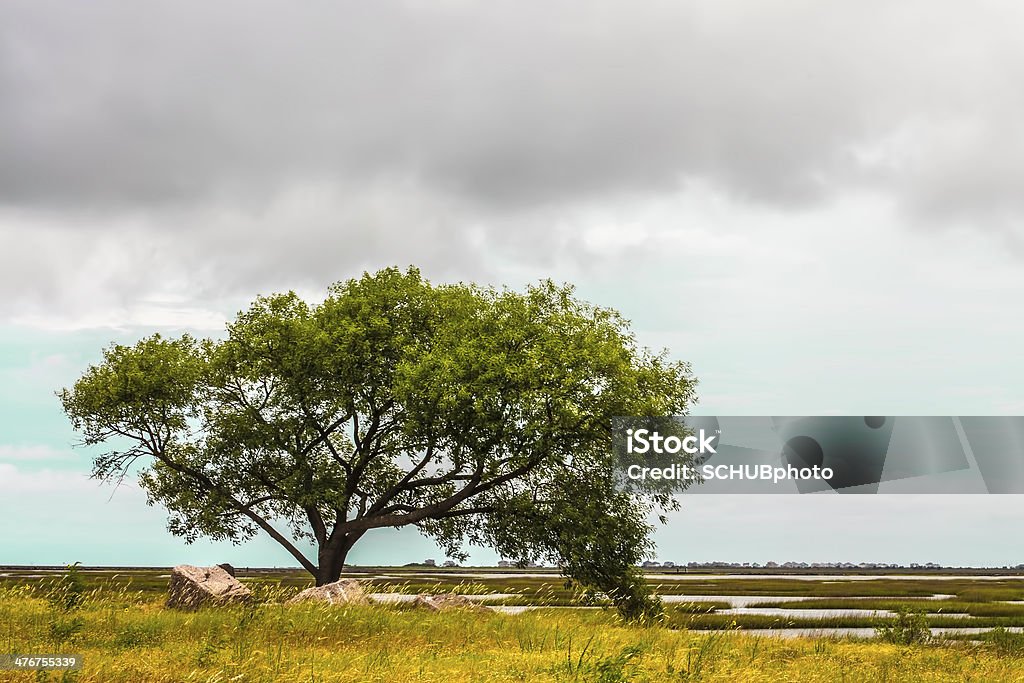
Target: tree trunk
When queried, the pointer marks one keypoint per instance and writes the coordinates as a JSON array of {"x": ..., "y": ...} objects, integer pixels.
[
  {"x": 331, "y": 557},
  {"x": 332, "y": 561}
]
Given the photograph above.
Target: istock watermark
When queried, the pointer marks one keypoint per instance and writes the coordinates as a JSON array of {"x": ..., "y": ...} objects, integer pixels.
[
  {"x": 729, "y": 473},
  {"x": 645, "y": 440},
  {"x": 847, "y": 454}
]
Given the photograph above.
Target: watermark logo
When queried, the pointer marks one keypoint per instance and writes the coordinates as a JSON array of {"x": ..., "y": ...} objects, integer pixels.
[
  {"x": 854, "y": 454},
  {"x": 643, "y": 441}
]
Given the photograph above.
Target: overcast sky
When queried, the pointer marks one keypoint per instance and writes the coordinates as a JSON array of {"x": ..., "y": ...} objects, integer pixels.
[{"x": 818, "y": 205}]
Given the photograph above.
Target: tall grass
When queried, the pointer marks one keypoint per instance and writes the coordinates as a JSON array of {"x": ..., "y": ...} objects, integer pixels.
[{"x": 128, "y": 636}]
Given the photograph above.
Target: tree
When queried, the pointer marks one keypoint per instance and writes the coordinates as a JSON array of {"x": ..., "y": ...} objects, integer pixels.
[{"x": 471, "y": 413}]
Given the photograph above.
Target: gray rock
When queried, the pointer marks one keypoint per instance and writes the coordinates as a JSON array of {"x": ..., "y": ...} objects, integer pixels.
[
  {"x": 195, "y": 587},
  {"x": 342, "y": 592},
  {"x": 448, "y": 601}
]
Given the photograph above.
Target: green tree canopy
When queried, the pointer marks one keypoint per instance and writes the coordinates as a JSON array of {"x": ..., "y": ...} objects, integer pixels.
[{"x": 476, "y": 415}]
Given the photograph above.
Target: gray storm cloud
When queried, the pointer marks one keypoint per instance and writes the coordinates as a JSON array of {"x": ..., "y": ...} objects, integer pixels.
[
  {"x": 124, "y": 103},
  {"x": 337, "y": 135}
]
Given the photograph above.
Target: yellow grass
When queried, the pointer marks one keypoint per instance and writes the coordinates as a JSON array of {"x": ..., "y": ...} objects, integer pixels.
[{"x": 133, "y": 638}]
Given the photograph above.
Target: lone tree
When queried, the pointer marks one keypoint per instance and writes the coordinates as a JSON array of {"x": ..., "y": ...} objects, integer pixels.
[{"x": 471, "y": 413}]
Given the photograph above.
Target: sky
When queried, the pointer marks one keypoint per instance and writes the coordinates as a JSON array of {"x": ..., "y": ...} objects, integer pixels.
[{"x": 818, "y": 206}]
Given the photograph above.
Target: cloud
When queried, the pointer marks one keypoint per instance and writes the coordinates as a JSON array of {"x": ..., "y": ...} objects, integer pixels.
[
  {"x": 19, "y": 482},
  {"x": 199, "y": 152},
  {"x": 85, "y": 270},
  {"x": 504, "y": 103},
  {"x": 757, "y": 187},
  {"x": 30, "y": 453}
]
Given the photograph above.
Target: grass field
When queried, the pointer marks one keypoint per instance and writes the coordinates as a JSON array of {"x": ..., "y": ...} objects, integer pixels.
[{"x": 119, "y": 625}]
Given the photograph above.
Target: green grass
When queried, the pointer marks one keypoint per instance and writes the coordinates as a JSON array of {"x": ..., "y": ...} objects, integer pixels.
[
  {"x": 967, "y": 589},
  {"x": 127, "y": 635},
  {"x": 951, "y": 606},
  {"x": 713, "y": 621}
]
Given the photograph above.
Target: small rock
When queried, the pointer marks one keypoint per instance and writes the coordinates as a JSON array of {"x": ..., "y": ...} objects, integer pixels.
[
  {"x": 448, "y": 601},
  {"x": 342, "y": 592},
  {"x": 193, "y": 587}
]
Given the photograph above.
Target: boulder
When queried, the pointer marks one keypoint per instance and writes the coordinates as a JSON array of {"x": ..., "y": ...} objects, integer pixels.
[
  {"x": 194, "y": 587},
  {"x": 227, "y": 567},
  {"x": 448, "y": 601},
  {"x": 342, "y": 592}
]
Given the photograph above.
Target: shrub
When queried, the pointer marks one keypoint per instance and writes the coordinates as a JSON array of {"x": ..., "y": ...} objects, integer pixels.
[
  {"x": 67, "y": 592},
  {"x": 907, "y": 627}
]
